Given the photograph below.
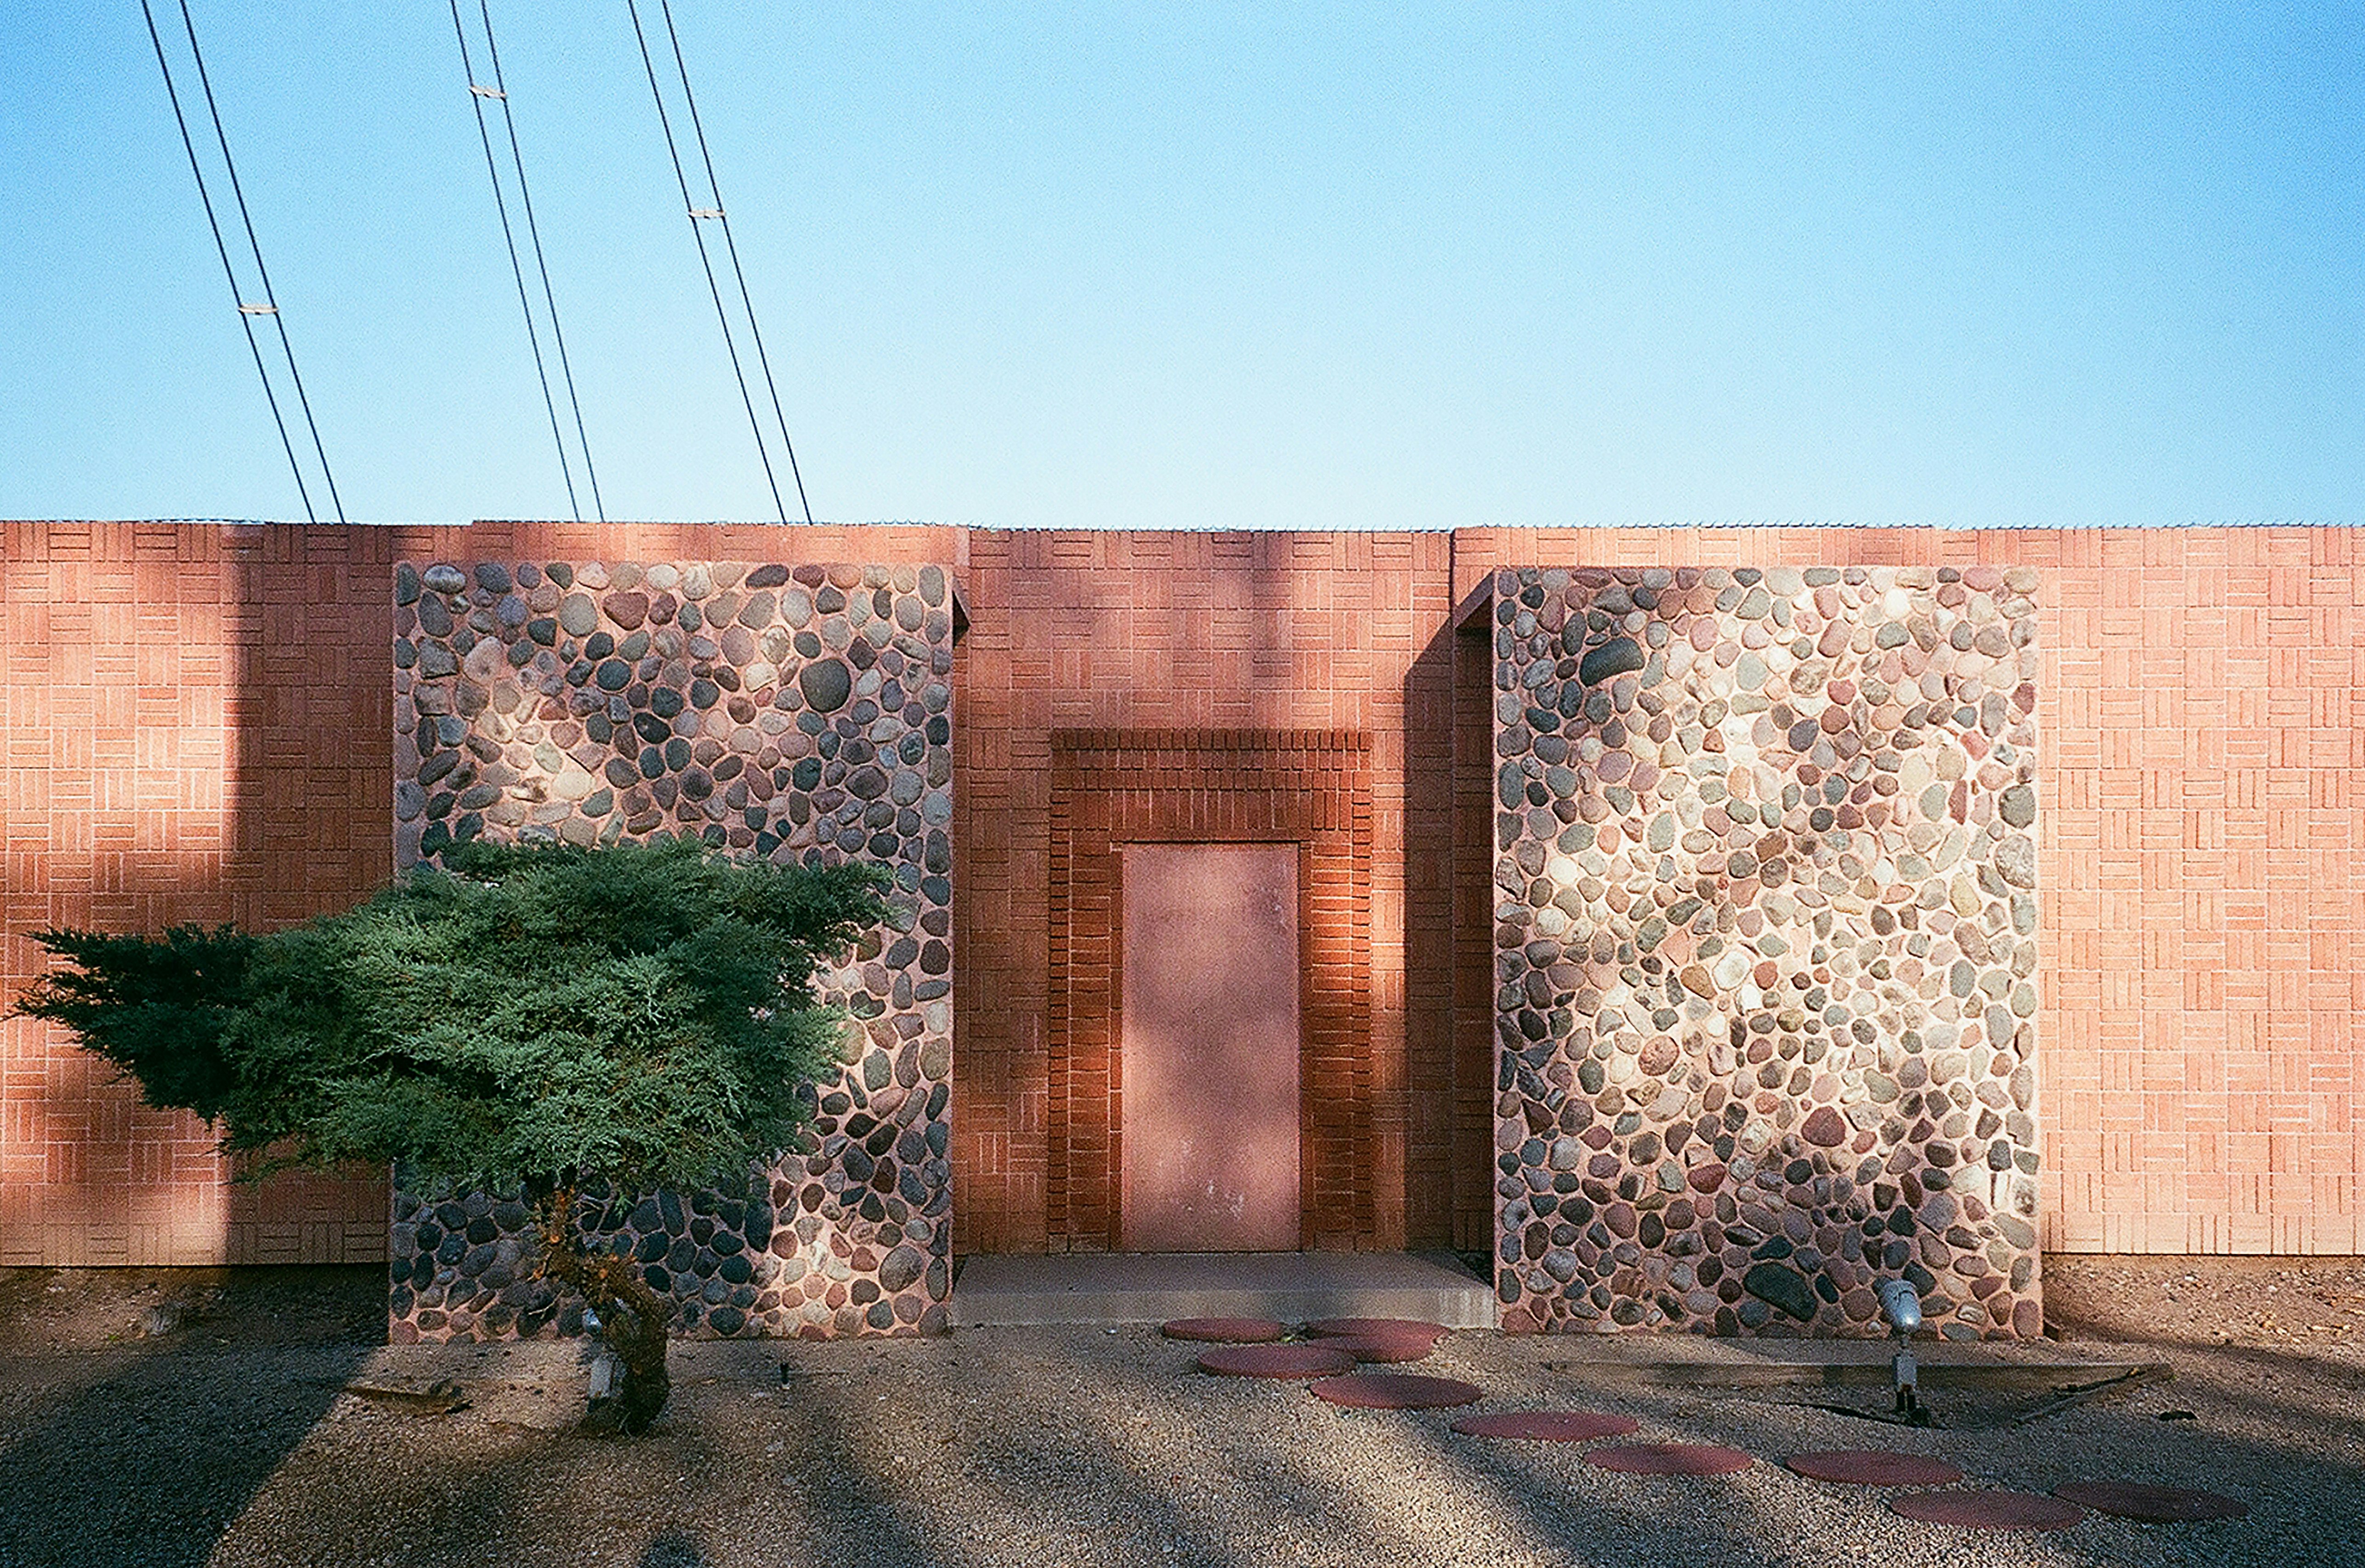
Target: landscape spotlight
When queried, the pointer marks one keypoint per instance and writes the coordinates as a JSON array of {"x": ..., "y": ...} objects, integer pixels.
[{"x": 1902, "y": 1305}]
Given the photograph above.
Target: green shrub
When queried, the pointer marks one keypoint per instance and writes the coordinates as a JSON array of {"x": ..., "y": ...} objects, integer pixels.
[{"x": 536, "y": 1017}]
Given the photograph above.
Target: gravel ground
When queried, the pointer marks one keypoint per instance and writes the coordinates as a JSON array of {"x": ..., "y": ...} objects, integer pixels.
[{"x": 232, "y": 1438}]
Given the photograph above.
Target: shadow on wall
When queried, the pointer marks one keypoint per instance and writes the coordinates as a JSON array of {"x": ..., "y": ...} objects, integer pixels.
[{"x": 1443, "y": 1109}]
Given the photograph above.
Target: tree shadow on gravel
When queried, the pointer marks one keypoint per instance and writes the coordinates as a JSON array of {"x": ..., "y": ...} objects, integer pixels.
[
  {"x": 1044, "y": 1482},
  {"x": 2248, "y": 1371},
  {"x": 148, "y": 1456},
  {"x": 2296, "y": 1497}
]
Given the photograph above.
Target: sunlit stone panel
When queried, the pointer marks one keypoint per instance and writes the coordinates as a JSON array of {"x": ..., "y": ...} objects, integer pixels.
[{"x": 1765, "y": 947}]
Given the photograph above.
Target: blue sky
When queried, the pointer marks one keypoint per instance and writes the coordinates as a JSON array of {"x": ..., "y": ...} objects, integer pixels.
[{"x": 1263, "y": 266}]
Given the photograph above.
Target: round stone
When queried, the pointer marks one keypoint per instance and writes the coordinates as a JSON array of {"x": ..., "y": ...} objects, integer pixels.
[
  {"x": 900, "y": 1268},
  {"x": 1276, "y": 1361},
  {"x": 1875, "y": 1467},
  {"x": 1615, "y": 657},
  {"x": 1670, "y": 1459},
  {"x": 1547, "y": 1426},
  {"x": 1223, "y": 1330},
  {"x": 1988, "y": 1510},
  {"x": 1824, "y": 1128},
  {"x": 445, "y": 577},
  {"x": 1351, "y": 1327},
  {"x": 1383, "y": 1347},
  {"x": 826, "y": 684},
  {"x": 1397, "y": 1391},
  {"x": 2152, "y": 1505}
]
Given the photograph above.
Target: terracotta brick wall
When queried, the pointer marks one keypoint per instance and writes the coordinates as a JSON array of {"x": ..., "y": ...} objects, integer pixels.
[
  {"x": 196, "y": 721},
  {"x": 196, "y": 729},
  {"x": 199, "y": 721}
]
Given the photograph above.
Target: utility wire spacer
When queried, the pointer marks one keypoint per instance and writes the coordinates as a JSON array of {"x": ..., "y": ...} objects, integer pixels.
[
  {"x": 487, "y": 92},
  {"x": 258, "y": 309}
]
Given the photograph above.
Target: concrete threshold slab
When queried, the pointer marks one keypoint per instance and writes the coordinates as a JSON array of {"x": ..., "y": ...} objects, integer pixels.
[{"x": 993, "y": 1290}]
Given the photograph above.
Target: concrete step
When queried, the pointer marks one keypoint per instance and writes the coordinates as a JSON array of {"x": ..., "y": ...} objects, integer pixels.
[{"x": 1154, "y": 1287}]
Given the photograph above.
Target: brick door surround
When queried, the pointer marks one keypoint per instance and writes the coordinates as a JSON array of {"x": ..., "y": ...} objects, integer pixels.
[{"x": 1310, "y": 788}]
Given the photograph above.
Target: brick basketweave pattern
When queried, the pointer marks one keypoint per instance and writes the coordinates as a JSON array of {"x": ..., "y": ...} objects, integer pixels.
[
  {"x": 1766, "y": 946},
  {"x": 796, "y": 712},
  {"x": 1312, "y": 789},
  {"x": 194, "y": 724},
  {"x": 196, "y": 729}
]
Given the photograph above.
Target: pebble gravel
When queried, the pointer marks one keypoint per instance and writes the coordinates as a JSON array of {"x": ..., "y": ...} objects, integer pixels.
[{"x": 1039, "y": 1447}]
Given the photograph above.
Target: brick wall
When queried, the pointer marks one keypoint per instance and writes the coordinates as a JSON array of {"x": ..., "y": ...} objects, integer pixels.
[
  {"x": 196, "y": 730},
  {"x": 196, "y": 722},
  {"x": 199, "y": 730}
]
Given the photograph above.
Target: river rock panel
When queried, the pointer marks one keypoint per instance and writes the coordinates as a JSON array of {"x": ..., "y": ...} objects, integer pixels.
[
  {"x": 1765, "y": 948},
  {"x": 796, "y": 712}
]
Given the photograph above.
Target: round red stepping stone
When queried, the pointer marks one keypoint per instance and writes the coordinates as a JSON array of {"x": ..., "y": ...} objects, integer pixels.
[
  {"x": 1988, "y": 1510},
  {"x": 1875, "y": 1467},
  {"x": 1547, "y": 1426},
  {"x": 1224, "y": 1330},
  {"x": 1359, "y": 1328},
  {"x": 2152, "y": 1505},
  {"x": 1671, "y": 1459},
  {"x": 1276, "y": 1361},
  {"x": 1397, "y": 1391},
  {"x": 1383, "y": 1347}
]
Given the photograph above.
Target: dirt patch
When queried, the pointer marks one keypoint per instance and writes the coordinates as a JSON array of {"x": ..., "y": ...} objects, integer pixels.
[{"x": 2311, "y": 1306}]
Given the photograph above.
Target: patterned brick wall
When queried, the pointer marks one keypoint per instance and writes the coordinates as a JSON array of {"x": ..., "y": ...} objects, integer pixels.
[
  {"x": 1312, "y": 789},
  {"x": 193, "y": 736},
  {"x": 2202, "y": 928},
  {"x": 199, "y": 730},
  {"x": 1096, "y": 632}
]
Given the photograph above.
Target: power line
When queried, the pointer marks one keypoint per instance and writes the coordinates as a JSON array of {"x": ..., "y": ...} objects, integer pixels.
[
  {"x": 499, "y": 91},
  {"x": 716, "y": 213},
  {"x": 723, "y": 218},
  {"x": 247, "y": 311}
]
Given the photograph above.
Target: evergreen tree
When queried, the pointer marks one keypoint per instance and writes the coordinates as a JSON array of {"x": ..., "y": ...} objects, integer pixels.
[{"x": 536, "y": 1017}]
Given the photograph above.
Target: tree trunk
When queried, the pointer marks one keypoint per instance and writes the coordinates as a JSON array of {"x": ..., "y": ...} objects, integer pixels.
[{"x": 633, "y": 1320}]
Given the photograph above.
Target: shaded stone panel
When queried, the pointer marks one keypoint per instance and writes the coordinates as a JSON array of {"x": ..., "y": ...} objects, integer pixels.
[
  {"x": 795, "y": 712},
  {"x": 1764, "y": 948}
]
